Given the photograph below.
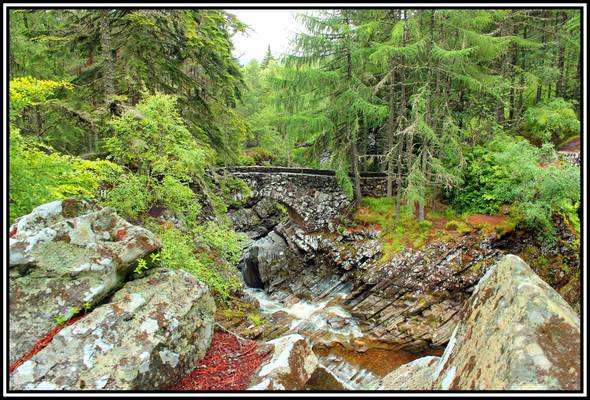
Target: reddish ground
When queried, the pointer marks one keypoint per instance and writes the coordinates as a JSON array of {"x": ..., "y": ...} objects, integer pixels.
[
  {"x": 41, "y": 344},
  {"x": 476, "y": 219},
  {"x": 571, "y": 145},
  {"x": 228, "y": 365}
]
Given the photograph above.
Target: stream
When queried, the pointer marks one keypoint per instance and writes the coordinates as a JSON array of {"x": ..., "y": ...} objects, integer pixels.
[{"x": 357, "y": 362}]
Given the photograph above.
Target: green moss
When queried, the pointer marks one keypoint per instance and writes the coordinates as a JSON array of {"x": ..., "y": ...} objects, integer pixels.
[
  {"x": 405, "y": 232},
  {"x": 477, "y": 266},
  {"x": 256, "y": 319}
]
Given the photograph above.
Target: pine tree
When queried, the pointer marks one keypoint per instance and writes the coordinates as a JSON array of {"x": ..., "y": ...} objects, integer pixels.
[{"x": 267, "y": 58}]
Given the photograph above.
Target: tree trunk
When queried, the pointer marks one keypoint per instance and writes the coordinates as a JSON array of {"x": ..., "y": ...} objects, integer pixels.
[
  {"x": 107, "y": 54},
  {"x": 421, "y": 203},
  {"x": 559, "y": 86},
  {"x": 391, "y": 130},
  {"x": 402, "y": 114},
  {"x": 358, "y": 196}
]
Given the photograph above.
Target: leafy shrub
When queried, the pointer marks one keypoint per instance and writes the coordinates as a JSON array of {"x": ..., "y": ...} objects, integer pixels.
[
  {"x": 38, "y": 174},
  {"x": 153, "y": 142},
  {"x": 178, "y": 198},
  {"x": 551, "y": 122},
  {"x": 512, "y": 171},
  {"x": 178, "y": 252},
  {"x": 27, "y": 91},
  {"x": 222, "y": 239},
  {"x": 129, "y": 195},
  {"x": 234, "y": 190}
]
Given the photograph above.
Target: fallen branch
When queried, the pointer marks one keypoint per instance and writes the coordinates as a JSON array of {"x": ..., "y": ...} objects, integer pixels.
[{"x": 232, "y": 333}]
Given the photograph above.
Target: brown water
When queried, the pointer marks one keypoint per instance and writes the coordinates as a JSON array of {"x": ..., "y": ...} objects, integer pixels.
[{"x": 355, "y": 360}]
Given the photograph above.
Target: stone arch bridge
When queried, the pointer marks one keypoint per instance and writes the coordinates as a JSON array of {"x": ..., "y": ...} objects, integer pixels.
[{"x": 313, "y": 194}]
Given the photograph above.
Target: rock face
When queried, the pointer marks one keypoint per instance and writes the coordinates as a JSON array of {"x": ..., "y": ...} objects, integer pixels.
[
  {"x": 558, "y": 264},
  {"x": 291, "y": 365},
  {"x": 415, "y": 375},
  {"x": 413, "y": 299},
  {"x": 267, "y": 262},
  {"x": 516, "y": 333},
  {"x": 152, "y": 332},
  {"x": 257, "y": 218},
  {"x": 65, "y": 256},
  {"x": 417, "y": 296}
]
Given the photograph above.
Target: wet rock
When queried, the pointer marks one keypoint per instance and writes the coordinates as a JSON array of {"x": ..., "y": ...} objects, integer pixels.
[
  {"x": 257, "y": 219},
  {"x": 417, "y": 296},
  {"x": 64, "y": 256},
  {"x": 152, "y": 332},
  {"x": 515, "y": 333},
  {"x": 268, "y": 262},
  {"x": 414, "y": 376},
  {"x": 291, "y": 365},
  {"x": 323, "y": 379}
]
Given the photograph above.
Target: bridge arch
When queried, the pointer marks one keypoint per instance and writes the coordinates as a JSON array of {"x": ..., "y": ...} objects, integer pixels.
[{"x": 314, "y": 196}]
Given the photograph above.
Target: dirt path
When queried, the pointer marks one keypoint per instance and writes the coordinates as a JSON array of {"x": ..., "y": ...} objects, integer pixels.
[{"x": 571, "y": 145}]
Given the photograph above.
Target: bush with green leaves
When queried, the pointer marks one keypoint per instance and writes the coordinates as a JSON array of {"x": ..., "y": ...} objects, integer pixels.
[
  {"x": 551, "y": 121},
  {"x": 39, "y": 174},
  {"x": 216, "y": 267},
  {"x": 512, "y": 171},
  {"x": 153, "y": 143},
  {"x": 234, "y": 191}
]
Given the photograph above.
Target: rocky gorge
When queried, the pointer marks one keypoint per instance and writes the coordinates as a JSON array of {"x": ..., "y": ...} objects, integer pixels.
[
  {"x": 364, "y": 314},
  {"x": 337, "y": 314}
]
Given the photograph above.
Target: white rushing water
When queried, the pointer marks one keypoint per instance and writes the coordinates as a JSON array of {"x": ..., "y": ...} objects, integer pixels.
[{"x": 313, "y": 321}]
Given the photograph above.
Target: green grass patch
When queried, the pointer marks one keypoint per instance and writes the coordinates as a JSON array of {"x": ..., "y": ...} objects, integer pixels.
[{"x": 404, "y": 232}]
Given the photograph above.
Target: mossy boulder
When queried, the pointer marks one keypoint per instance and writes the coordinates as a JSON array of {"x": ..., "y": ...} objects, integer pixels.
[
  {"x": 66, "y": 256},
  {"x": 515, "y": 333},
  {"x": 148, "y": 336}
]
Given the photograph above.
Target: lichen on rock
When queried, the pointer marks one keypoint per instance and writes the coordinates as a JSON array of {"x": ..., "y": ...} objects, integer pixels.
[
  {"x": 65, "y": 256},
  {"x": 152, "y": 332}
]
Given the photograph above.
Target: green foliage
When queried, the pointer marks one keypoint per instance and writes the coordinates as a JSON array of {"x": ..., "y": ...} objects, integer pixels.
[
  {"x": 27, "y": 91},
  {"x": 222, "y": 239},
  {"x": 129, "y": 195},
  {"x": 178, "y": 252},
  {"x": 154, "y": 143},
  {"x": 60, "y": 319},
  {"x": 141, "y": 265},
  {"x": 256, "y": 319},
  {"x": 38, "y": 174},
  {"x": 512, "y": 171},
  {"x": 234, "y": 191},
  {"x": 551, "y": 122}
]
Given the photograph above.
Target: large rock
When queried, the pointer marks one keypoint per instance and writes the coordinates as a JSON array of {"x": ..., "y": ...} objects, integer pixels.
[
  {"x": 64, "y": 256},
  {"x": 415, "y": 375},
  {"x": 268, "y": 262},
  {"x": 152, "y": 332},
  {"x": 291, "y": 365},
  {"x": 516, "y": 333}
]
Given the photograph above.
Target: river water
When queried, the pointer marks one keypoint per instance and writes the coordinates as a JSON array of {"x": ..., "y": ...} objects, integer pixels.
[{"x": 357, "y": 362}]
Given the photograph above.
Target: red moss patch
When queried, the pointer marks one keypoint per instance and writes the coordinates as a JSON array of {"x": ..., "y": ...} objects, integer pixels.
[
  {"x": 41, "y": 344},
  {"x": 120, "y": 234},
  {"x": 477, "y": 219},
  {"x": 12, "y": 232},
  {"x": 228, "y": 365}
]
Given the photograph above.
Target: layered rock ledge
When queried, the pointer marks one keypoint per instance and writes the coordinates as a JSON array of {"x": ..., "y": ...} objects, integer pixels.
[{"x": 515, "y": 333}]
